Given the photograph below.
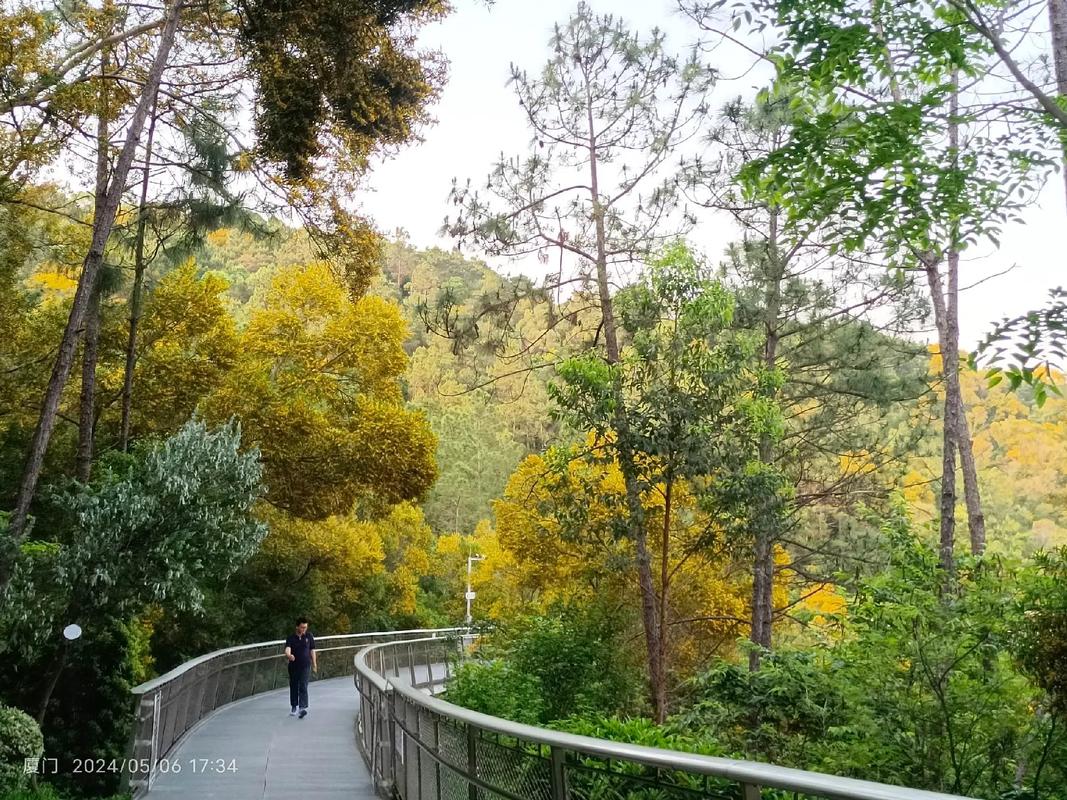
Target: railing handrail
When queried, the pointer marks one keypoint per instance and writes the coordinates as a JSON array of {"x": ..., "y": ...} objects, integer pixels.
[
  {"x": 744, "y": 772},
  {"x": 185, "y": 666}
]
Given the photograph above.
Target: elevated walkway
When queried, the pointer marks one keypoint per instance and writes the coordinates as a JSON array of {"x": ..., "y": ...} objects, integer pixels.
[
  {"x": 218, "y": 727},
  {"x": 253, "y": 750}
]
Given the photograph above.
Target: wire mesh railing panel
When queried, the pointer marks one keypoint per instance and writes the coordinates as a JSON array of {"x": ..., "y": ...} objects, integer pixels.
[{"x": 511, "y": 769}]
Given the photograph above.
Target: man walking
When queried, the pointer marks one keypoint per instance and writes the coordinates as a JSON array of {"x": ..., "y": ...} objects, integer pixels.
[{"x": 300, "y": 650}]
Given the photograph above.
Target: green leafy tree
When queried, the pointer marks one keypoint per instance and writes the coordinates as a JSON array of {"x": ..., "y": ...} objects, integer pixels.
[
  {"x": 475, "y": 455},
  {"x": 828, "y": 322},
  {"x": 686, "y": 402},
  {"x": 320, "y": 116},
  {"x": 884, "y": 150},
  {"x": 156, "y": 527},
  {"x": 496, "y": 687},
  {"x": 920, "y": 689}
]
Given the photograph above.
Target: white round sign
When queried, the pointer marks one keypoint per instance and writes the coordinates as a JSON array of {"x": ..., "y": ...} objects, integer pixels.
[{"x": 72, "y": 632}]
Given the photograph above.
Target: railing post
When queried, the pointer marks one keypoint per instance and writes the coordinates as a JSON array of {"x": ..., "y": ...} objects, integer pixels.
[
  {"x": 472, "y": 762},
  {"x": 437, "y": 756},
  {"x": 752, "y": 791},
  {"x": 389, "y": 759},
  {"x": 558, "y": 765},
  {"x": 154, "y": 749}
]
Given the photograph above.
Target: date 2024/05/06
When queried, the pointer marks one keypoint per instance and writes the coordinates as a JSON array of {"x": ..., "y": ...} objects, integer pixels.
[{"x": 87, "y": 766}]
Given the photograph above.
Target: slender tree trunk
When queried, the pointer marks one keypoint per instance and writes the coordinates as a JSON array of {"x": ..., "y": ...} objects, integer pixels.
[
  {"x": 53, "y": 680},
  {"x": 87, "y": 400},
  {"x": 971, "y": 491},
  {"x": 664, "y": 591},
  {"x": 627, "y": 465},
  {"x": 957, "y": 435},
  {"x": 762, "y": 597},
  {"x": 948, "y": 347},
  {"x": 948, "y": 492},
  {"x": 964, "y": 443},
  {"x": 765, "y": 532},
  {"x": 136, "y": 294},
  {"x": 1057, "y": 14},
  {"x": 103, "y": 221},
  {"x": 649, "y": 619},
  {"x": 87, "y": 403}
]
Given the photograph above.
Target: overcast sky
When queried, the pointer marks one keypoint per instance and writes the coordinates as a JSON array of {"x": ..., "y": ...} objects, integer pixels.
[{"x": 478, "y": 118}]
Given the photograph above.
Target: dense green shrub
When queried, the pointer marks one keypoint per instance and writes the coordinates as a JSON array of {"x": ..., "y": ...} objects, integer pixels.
[
  {"x": 639, "y": 730},
  {"x": 923, "y": 689},
  {"x": 777, "y": 714},
  {"x": 1044, "y": 630},
  {"x": 578, "y": 661},
  {"x": 153, "y": 527},
  {"x": 567, "y": 663},
  {"x": 496, "y": 687},
  {"x": 628, "y": 780},
  {"x": 20, "y": 738}
]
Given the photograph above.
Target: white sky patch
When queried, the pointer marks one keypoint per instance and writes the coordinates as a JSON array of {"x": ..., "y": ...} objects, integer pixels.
[{"x": 478, "y": 118}]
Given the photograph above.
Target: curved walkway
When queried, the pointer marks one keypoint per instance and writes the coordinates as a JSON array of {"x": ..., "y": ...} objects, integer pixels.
[{"x": 275, "y": 756}]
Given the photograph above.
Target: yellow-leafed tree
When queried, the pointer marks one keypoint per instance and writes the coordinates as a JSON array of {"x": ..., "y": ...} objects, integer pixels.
[
  {"x": 317, "y": 389},
  {"x": 559, "y": 528}
]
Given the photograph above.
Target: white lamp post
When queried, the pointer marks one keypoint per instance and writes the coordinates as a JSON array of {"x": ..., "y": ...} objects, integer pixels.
[{"x": 470, "y": 592}]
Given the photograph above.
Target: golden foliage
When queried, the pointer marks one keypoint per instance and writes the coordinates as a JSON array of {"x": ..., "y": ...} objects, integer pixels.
[
  {"x": 187, "y": 346},
  {"x": 316, "y": 387},
  {"x": 560, "y": 532}
]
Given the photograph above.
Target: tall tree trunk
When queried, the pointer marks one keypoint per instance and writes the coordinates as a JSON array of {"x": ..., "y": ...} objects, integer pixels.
[
  {"x": 957, "y": 429},
  {"x": 627, "y": 464},
  {"x": 962, "y": 430},
  {"x": 948, "y": 348},
  {"x": 765, "y": 532},
  {"x": 948, "y": 491},
  {"x": 87, "y": 403},
  {"x": 662, "y": 642},
  {"x": 103, "y": 221},
  {"x": 53, "y": 680},
  {"x": 972, "y": 493},
  {"x": 762, "y": 597},
  {"x": 649, "y": 618},
  {"x": 87, "y": 400},
  {"x": 965, "y": 445},
  {"x": 1057, "y": 14},
  {"x": 136, "y": 294}
]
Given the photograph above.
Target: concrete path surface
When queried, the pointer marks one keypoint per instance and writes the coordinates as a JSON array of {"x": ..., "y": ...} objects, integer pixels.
[{"x": 277, "y": 757}]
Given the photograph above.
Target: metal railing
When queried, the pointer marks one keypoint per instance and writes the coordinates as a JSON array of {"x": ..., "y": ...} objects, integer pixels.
[
  {"x": 419, "y": 747},
  {"x": 167, "y": 707}
]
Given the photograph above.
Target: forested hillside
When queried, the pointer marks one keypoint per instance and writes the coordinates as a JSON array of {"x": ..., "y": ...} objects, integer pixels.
[{"x": 756, "y": 500}]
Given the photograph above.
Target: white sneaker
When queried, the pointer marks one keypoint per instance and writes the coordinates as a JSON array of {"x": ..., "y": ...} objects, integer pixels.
[{"x": 292, "y": 712}]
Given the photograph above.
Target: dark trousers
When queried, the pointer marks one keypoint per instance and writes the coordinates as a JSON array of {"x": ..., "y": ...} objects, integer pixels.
[{"x": 299, "y": 675}]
